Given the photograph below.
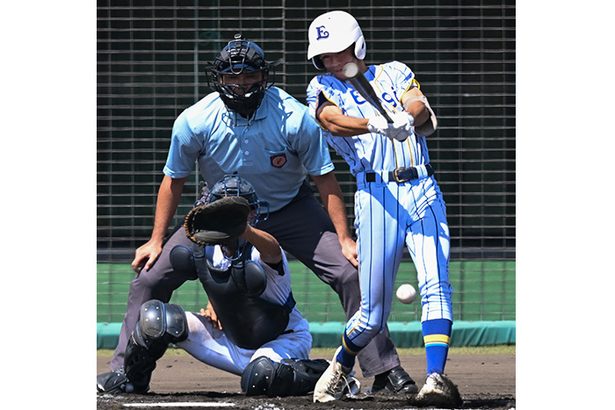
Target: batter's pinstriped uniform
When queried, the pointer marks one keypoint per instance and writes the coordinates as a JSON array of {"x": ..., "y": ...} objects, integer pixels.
[{"x": 389, "y": 215}]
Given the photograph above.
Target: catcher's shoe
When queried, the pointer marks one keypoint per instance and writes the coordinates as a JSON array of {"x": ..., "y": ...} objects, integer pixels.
[
  {"x": 394, "y": 381},
  {"x": 438, "y": 391},
  {"x": 114, "y": 382},
  {"x": 334, "y": 382}
]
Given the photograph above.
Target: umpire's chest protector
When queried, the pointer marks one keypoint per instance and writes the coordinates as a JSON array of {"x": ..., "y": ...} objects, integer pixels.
[{"x": 247, "y": 320}]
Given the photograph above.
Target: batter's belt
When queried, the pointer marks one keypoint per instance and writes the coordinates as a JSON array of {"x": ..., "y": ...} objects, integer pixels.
[{"x": 399, "y": 175}]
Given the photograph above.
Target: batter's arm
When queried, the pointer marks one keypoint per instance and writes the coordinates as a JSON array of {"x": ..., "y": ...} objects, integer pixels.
[
  {"x": 331, "y": 196},
  {"x": 415, "y": 103},
  {"x": 169, "y": 195},
  {"x": 333, "y": 120}
]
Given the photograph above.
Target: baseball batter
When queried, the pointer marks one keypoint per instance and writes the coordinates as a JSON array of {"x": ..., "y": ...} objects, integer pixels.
[
  {"x": 258, "y": 334},
  {"x": 397, "y": 203},
  {"x": 253, "y": 129}
]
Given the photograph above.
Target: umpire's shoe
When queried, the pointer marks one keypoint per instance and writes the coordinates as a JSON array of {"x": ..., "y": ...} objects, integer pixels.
[
  {"x": 394, "y": 381},
  {"x": 438, "y": 391}
]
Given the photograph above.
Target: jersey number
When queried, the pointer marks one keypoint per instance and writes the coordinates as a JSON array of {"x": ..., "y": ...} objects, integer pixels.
[{"x": 385, "y": 97}]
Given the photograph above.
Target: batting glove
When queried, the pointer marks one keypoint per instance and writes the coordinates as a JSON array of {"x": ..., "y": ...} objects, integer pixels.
[
  {"x": 378, "y": 124},
  {"x": 401, "y": 128}
]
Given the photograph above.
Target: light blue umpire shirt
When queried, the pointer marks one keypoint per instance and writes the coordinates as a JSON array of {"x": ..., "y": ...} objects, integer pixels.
[{"x": 274, "y": 150}]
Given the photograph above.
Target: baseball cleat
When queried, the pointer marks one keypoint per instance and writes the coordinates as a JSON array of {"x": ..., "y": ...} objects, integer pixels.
[
  {"x": 439, "y": 391},
  {"x": 394, "y": 381},
  {"x": 113, "y": 383},
  {"x": 335, "y": 382}
]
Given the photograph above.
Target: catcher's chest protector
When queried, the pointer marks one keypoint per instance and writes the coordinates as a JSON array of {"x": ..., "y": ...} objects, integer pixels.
[{"x": 247, "y": 320}]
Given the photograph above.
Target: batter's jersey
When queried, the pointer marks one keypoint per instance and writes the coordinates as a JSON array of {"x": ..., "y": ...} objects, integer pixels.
[
  {"x": 274, "y": 150},
  {"x": 370, "y": 151}
]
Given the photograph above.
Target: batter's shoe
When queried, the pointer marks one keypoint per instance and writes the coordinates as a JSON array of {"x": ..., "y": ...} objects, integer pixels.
[
  {"x": 438, "y": 391},
  {"x": 334, "y": 382},
  {"x": 394, "y": 381}
]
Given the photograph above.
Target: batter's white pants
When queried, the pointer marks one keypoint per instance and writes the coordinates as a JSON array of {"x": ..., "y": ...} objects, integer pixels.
[{"x": 390, "y": 216}]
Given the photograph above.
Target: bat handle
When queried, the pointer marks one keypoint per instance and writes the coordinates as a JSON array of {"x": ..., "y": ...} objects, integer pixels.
[{"x": 386, "y": 116}]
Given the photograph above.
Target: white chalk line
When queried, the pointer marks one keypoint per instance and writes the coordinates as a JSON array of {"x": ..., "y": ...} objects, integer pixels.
[{"x": 181, "y": 404}]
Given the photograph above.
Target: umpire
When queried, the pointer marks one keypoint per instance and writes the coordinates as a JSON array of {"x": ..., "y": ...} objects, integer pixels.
[{"x": 258, "y": 131}]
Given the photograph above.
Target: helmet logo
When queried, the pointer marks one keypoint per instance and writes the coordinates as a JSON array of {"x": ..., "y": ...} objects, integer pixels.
[
  {"x": 321, "y": 33},
  {"x": 278, "y": 161}
]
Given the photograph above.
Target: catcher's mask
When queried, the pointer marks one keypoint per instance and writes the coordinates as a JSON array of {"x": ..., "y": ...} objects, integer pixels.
[
  {"x": 234, "y": 185},
  {"x": 240, "y": 56}
]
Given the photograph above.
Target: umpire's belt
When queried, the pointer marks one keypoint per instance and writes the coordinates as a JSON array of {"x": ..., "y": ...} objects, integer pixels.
[{"x": 399, "y": 175}]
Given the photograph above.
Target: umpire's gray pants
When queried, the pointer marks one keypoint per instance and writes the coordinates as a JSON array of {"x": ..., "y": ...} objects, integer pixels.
[{"x": 304, "y": 230}]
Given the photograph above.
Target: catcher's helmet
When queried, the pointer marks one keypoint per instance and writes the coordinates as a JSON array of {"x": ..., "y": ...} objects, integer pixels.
[
  {"x": 234, "y": 185},
  {"x": 333, "y": 32},
  {"x": 237, "y": 57}
]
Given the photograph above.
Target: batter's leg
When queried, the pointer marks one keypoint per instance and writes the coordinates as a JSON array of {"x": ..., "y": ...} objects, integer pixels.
[
  {"x": 381, "y": 232},
  {"x": 428, "y": 242},
  {"x": 157, "y": 283},
  {"x": 304, "y": 229}
]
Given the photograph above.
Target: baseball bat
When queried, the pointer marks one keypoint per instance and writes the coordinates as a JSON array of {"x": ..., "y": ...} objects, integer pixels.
[{"x": 363, "y": 87}]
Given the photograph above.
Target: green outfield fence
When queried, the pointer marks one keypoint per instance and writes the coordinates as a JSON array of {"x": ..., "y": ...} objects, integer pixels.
[
  {"x": 150, "y": 60},
  {"x": 483, "y": 291}
]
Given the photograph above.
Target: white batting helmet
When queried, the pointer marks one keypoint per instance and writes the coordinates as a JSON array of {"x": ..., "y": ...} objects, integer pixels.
[{"x": 333, "y": 32}]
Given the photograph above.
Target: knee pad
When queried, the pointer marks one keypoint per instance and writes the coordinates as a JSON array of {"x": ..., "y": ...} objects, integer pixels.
[
  {"x": 182, "y": 259},
  {"x": 291, "y": 377},
  {"x": 160, "y": 322}
]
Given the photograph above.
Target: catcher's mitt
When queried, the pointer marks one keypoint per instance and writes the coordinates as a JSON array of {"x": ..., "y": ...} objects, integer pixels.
[{"x": 212, "y": 223}]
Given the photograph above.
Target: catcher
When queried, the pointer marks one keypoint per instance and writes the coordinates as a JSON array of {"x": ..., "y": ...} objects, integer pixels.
[{"x": 251, "y": 326}]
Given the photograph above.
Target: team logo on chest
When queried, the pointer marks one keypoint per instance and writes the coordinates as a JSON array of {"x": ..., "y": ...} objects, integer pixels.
[{"x": 278, "y": 160}]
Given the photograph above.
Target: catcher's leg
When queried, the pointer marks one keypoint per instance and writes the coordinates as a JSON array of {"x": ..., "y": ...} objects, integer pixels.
[
  {"x": 291, "y": 377},
  {"x": 157, "y": 283},
  {"x": 159, "y": 324}
]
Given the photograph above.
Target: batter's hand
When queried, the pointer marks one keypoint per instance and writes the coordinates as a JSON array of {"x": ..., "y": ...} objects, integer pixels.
[
  {"x": 349, "y": 249},
  {"x": 377, "y": 124},
  {"x": 401, "y": 127},
  {"x": 146, "y": 255},
  {"x": 210, "y": 313}
]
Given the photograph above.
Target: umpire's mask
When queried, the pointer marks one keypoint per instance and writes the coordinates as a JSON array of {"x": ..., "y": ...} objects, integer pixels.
[{"x": 240, "y": 56}]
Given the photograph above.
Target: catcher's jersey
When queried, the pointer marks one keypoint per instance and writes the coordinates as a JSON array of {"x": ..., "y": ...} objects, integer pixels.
[
  {"x": 274, "y": 151},
  {"x": 278, "y": 286},
  {"x": 370, "y": 151}
]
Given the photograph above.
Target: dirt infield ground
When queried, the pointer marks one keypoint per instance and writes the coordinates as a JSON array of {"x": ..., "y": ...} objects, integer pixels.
[{"x": 485, "y": 376}]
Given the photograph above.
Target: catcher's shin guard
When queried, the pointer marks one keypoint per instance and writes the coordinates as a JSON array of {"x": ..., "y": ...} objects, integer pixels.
[
  {"x": 289, "y": 378},
  {"x": 159, "y": 324}
]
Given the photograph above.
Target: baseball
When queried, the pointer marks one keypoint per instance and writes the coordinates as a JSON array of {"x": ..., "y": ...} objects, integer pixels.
[
  {"x": 350, "y": 70},
  {"x": 406, "y": 293}
]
